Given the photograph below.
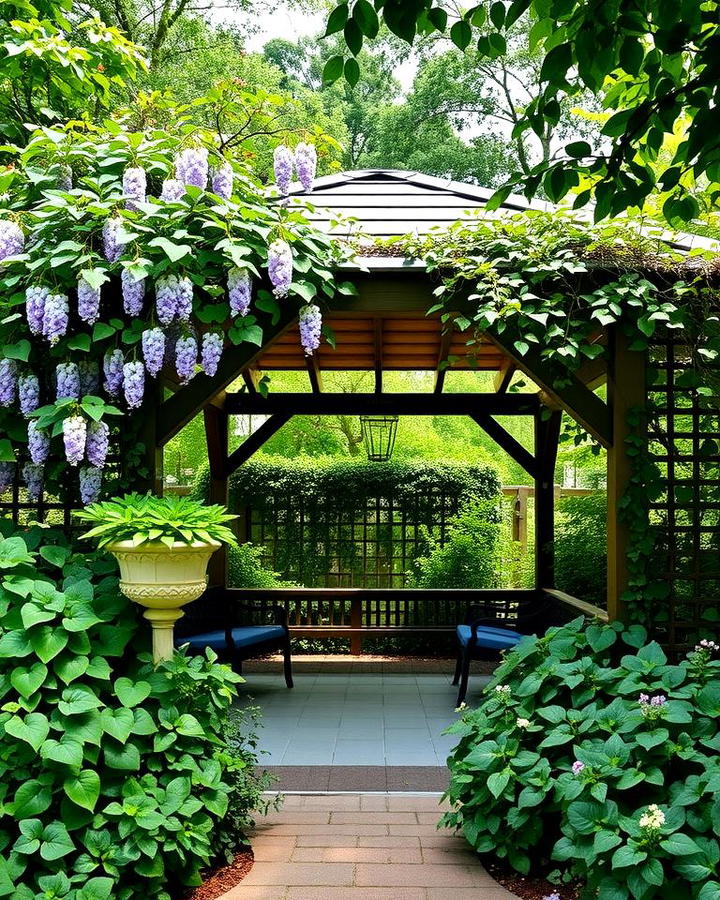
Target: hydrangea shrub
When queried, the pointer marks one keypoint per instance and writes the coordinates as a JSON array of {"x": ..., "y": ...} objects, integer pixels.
[{"x": 593, "y": 752}]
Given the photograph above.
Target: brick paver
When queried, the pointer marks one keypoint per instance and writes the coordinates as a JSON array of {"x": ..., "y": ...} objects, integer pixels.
[{"x": 362, "y": 847}]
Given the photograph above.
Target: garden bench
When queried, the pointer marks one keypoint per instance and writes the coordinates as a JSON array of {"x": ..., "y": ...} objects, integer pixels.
[
  {"x": 214, "y": 621},
  {"x": 496, "y": 625}
]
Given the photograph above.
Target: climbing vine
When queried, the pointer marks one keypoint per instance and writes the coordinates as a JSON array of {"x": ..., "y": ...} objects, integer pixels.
[
  {"x": 549, "y": 282},
  {"x": 126, "y": 251}
]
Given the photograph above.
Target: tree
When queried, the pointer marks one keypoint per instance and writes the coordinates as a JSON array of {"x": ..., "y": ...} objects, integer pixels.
[
  {"x": 53, "y": 67},
  {"x": 650, "y": 63}
]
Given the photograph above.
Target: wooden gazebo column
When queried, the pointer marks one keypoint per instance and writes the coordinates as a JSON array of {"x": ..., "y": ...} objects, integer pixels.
[
  {"x": 216, "y": 433},
  {"x": 547, "y": 434}
]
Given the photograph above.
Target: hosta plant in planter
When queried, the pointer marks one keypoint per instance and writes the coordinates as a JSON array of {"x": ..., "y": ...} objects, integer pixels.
[{"x": 163, "y": 546}]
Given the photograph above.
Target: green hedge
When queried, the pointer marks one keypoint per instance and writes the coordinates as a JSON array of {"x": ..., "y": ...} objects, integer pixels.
[{"x": 313, "y": 518}]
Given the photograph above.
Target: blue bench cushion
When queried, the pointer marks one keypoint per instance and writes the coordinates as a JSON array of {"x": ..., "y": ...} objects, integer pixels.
[
  {"x": 489, "y": 637},
  {"x": 244, "y": 636}
]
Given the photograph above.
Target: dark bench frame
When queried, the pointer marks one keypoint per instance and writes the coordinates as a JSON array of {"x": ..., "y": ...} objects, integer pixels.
[{"x": 215, "y": 611}]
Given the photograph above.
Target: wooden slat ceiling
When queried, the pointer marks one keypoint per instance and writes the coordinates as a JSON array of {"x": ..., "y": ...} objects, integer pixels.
[{"x": 407, "y": 344}]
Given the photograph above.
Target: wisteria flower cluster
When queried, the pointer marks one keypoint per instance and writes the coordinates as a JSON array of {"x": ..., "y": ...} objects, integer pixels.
[
  {"x": 33, "y": 476},
  {"x": 172, "y": 190},
  {"x": 133, "y": 383},
  {"x": 222, "y": 181},
  {"x": 280, "y": 267},
  {"x": 12, "y": 239},
  {"x": 173, "y": 299},
  {"x": 28, "y": 393},
  {"x": 113, "y": 364},
  {"x": 38, "y": 443},
  {"x": 134, "y": 186},
  {"x": 88, "y": 302},
  {"x": 7, "y": 475},
  {"x": 8, "y": 382},
  {"x": 303, "y": 161},
  {"x": 310, "y": 322},
  {"x": 211, "y": 352},
  {"x": 74, "y": 438},
  {"x": 153, "y": 348},
  {"x": 133, "y": 292},
  {"x": 186, "y": 357},
  {"x": 90, "y": 483},
  {"x": 67, "y": 380},
  {"x": 191, "y": 167},
  {"x": 112, "y": 243}
]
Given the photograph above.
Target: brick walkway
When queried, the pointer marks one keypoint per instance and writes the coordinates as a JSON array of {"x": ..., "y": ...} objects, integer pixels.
[{"x": 362, "y": 847}]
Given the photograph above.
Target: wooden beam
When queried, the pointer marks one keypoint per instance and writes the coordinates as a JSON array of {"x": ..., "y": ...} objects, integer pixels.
[
  {"x": 575, "y": 398},
  {"x": 626, "y": 391},
  {"x": 255, "y": 441},
  {"x": 314, "y": 374},
  {"x": 252, "y": 376},
  {"x": 216, "y": 435},
  {"x": 151, "y": 479},
  {"x": 348, "y": 404},
  {"x": 547, "y": 434},
  {"x": 175, "y": 412},
  {"x": 378, "y": 354},
  {"x": 593, "y": 373},
  {"x": 504, "y": 376},
  {"x": 441, "y": 368},
  {"x": 507, "y": 442}
]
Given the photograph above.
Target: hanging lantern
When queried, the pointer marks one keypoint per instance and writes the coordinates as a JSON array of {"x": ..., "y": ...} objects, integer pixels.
[{"x": 378, "y": 434}]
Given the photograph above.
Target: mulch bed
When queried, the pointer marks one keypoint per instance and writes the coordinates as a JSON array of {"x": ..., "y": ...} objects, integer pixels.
[
  {"x": 220, "y": 880},
  {"x": 530, "y": 887}
]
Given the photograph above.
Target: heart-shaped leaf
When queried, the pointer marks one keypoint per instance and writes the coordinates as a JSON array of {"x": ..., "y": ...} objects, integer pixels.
[{"x": 83, "y": 789}]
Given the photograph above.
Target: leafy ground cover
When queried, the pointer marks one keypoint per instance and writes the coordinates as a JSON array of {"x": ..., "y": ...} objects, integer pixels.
[
  {"x": 115, "y": 780},
  {"x": 594, "y": 754}
]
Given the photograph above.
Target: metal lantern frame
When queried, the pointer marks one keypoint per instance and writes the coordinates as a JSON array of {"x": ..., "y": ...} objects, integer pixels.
[{"x": 378, "y": 434}]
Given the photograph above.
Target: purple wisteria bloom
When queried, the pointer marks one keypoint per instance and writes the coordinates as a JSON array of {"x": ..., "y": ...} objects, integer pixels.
[
  {"x": 56, "y": 317},
  {"x": 134, "y": 186},
  {"x": 12, "y": 239},
  {"x": 89, "y": 377},
  {"x": 8, "y": 381},
  {"x": 239, "y": 291},
  {"x": 88, "y": 302},
  {"x": 90, "y": 483},
  {"x": 35, "y": 297},
  {"x": 74, "y": 438},
  {"x": 97, "y": 443},
  {"x": 153, "y": 348},
  {"x": 113, "y": 363},
  {"x": 38, "y": 443},
  {"x": 133, "y": 292},
  {"x": 280, "y": 267},
  {"x": 186, "y": 350},
  {"x": 28, "y": 393},
  {"x": 306, "y": 164},
  {"x": 310, "y": 322},
  {"x": 173, "y": 298},
  {"x": 7, "y": 475},
  {"x": 283, "y": 166},
  {"x": 65, "y": 179},
  {"x": 212, "y": 348},
  {"x": 68, "y": 381},
  {"x": 191, "y": 167},
  {"x": 172, "y": 189},
  {"x": 32, "y": 474},
  {"x": 134, "y": 383},
  {"x": 222, "y": 181},
  {"x": 112, "y": 246}
]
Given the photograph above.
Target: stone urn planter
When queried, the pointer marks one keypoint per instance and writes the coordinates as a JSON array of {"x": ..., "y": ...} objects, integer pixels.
[{"x": 163, "y": 579}]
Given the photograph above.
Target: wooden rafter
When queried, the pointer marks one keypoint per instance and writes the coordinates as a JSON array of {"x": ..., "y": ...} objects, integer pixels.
[
  {"x": 509, "y": 444},
  {"x": 314, "y": 374},
  {"x": 254, "y": 442},
  {"x": 339, "y": 404},
  {"x": 441, "y": 369},
  {"x": 504, "y": 376},
  {"x": 593, "y": 373},
  {"x": 378, "y": 353},
  {"x": 575, "y": 398},
  {"x": 252, "y": 377}
]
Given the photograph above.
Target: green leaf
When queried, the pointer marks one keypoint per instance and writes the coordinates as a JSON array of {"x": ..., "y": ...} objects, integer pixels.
[
  {"x": 366, "y": 17},
  {"x": 679, "y": 844},
  {"x": 56, "y": 842},
  {"x": 83, "y": 789},
  {"x": 497, "y": 782},
  {"x": 101, "y": 331},
  {"x": 6, "y": 451},
  {"x": 28, "y": 680},
  {"x": 333, "y": 69},
  {"x": 66, "y": 751},
  {"x": 31, "y": 799},
  {"x": 627, "y": 856},
  {"x": 337, "y": 19},
  {"x": 47, "y": 641},
  {"x": 33, "y": 729},
  {"x": 19, "y": 351},
  {"x": 461, "y": 34},
  {"x": 80, "y": 342},
  {"x": 131, "y": 693},
  {"x": 125, "y": 758},
  {"x": 172, "y": 250},
  {"x": 352, "y": 71}
]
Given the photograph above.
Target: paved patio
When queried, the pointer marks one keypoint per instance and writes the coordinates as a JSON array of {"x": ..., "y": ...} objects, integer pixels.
[
  {"x": 362, "y": 847},
  {"x": 355, "y": 719}
]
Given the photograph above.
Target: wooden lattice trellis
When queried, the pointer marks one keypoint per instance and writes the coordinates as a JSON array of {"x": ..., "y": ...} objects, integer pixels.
[{"x": 684, "y": 444}]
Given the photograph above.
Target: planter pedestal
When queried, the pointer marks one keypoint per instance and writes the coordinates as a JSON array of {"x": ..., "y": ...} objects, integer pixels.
[{"x": 163, "y": 579}]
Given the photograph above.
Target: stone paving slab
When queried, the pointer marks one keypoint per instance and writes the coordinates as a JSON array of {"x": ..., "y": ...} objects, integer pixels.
[{"x": 362, "y": 846}]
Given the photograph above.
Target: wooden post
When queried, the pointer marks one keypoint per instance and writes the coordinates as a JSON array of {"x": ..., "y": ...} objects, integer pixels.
[
  {"x": 355, "y": 622},
  {"x": 216, "y": 434},
  {"x": 547, "y": 433},
  {"x": 626, "y": 391}
]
